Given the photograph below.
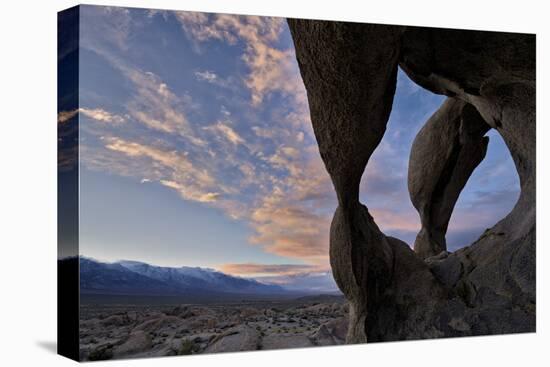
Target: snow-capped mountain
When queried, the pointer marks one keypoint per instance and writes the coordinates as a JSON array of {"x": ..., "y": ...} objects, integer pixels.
[
  {"x": 203, "y": 278},
  {"x": 139, "y": 278},
  {"x": 131, "y": 277}
]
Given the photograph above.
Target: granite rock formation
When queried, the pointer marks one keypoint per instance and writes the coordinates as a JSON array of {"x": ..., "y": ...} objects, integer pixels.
[
  {"x": 444, "y": 154},
  {"x": 349, "y": 71}
]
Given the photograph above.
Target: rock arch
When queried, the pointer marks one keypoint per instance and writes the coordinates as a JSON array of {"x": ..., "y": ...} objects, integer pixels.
[{"x": 349, "y": 71}]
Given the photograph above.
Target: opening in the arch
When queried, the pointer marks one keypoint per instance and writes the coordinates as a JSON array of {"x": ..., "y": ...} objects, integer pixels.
[{"x": 488, "y": 196}]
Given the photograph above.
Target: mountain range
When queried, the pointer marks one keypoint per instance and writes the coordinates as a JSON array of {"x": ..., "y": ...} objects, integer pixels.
[{"x": 139, "y": 278}]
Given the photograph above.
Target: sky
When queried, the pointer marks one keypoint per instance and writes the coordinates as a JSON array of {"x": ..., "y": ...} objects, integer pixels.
[{"x": 196, "y": 149}]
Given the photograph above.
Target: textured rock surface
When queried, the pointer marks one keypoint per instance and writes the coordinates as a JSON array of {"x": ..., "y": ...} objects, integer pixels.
[
  {"x": 337, "y": 329},
  {"x": 139, "y": 341},
  {"x": 237, "y": 339},
  {"x": 444, "y": 154},
  {"x": 349, "y": 72}
]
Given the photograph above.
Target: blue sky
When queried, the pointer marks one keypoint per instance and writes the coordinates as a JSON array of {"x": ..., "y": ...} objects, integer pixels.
[{"x": 197, "y": 149}]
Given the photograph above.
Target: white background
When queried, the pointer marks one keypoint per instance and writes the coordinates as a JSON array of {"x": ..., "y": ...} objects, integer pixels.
[{"x": 28, "y": 183}]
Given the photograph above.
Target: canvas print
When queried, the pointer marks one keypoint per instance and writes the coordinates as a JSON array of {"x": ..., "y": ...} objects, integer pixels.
[{"x": 234, "y": 183}]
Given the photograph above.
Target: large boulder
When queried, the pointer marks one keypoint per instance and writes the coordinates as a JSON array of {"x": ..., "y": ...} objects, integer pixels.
[
  {"x": 238, "y": 339},
  {"x": 338, "y": 328}
]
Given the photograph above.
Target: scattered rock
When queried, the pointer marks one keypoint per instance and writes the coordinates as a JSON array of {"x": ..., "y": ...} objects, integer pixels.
[
  {"x": 116, "y": 320},
  {"x": 139, "y": 341},
  {"x": 156, "y": 324}
]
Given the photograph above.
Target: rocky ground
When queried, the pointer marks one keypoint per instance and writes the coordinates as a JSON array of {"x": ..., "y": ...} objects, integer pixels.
[{"x": 135, "y": 331}]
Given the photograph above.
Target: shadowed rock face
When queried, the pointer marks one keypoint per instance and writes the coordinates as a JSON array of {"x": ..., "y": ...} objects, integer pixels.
[{"x": 349, "y": 71}]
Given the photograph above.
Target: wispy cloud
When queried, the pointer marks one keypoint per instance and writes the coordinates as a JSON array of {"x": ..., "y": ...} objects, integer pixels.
[
  {"x": 172, "y": 169},
  {"x": 187, "y": 192},
  {"x": 213, "y": 78},
  {"x": 156, "y": 106},
  {"x": 153, "y": 103},
  {"x": 289, "y": 215},
  {"x": 101, "y": 115},
  {"x": 116, "y": 21},
  {"x": 206, "y": 75},
  {"x": 224, "y": 111},
  {"x": 289, "y": 199},
  {"x": 97, "y": 114},
  {"x": 199, "y": 26},
  {"x": 263, "y": 133},
  {"x": 226, "y": 131},
  {"x": 271, "y": 69}
]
